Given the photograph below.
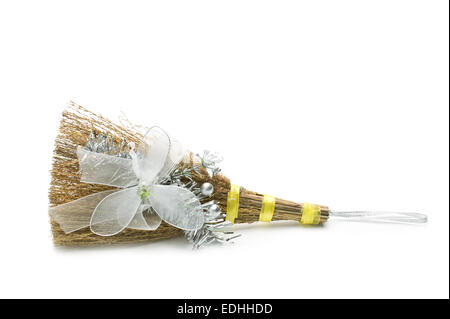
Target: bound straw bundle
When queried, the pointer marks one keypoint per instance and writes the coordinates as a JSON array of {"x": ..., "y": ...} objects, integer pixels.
[{"x": 77, "y": 123}]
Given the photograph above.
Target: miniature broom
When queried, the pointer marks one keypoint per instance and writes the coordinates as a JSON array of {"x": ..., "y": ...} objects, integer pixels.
[{"x": 93, "y": 155}]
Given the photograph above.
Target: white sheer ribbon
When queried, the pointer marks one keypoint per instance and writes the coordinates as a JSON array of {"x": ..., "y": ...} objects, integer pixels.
[{"x": 142, "y": 202}]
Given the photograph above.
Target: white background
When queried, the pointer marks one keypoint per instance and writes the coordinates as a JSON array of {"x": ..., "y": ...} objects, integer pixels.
[{"x": 343, "y": 103}]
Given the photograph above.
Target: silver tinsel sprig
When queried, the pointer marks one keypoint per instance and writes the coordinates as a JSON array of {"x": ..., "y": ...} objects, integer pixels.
[
  {"x": 104, "y": 143},
  {"x": 209, "y": 161},
  {"x": 215, "y": 228},
  {"x": 180, "y": 174}
]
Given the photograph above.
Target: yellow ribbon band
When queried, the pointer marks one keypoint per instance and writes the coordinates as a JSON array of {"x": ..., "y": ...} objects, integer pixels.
[
  {"x": 267, "y": 209},
  {"x": 233, "y": 203},
  {"x": 310, "y": 214}
]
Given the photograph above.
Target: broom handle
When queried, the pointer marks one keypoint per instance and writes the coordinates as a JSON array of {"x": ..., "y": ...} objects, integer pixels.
[{"x": 250, "y": 204}]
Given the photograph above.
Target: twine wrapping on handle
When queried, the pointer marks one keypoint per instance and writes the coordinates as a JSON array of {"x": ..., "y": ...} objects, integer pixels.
[
  {"x": 267, "y": 209},
  {"x": 233, "y": 203},
  {"x": 310, "y": 214}
]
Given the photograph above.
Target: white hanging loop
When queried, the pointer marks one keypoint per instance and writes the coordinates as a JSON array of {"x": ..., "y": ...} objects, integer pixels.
[{"x": 380, "y": 217}]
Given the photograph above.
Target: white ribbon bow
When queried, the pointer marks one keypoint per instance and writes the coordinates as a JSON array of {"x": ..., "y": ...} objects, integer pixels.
[{"x": 142, "y": 202}]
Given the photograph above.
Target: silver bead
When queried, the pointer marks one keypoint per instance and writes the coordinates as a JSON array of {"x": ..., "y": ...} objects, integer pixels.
[
  {"x": 207, "y": 189},
  {"x": 214, "y": 210}
]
